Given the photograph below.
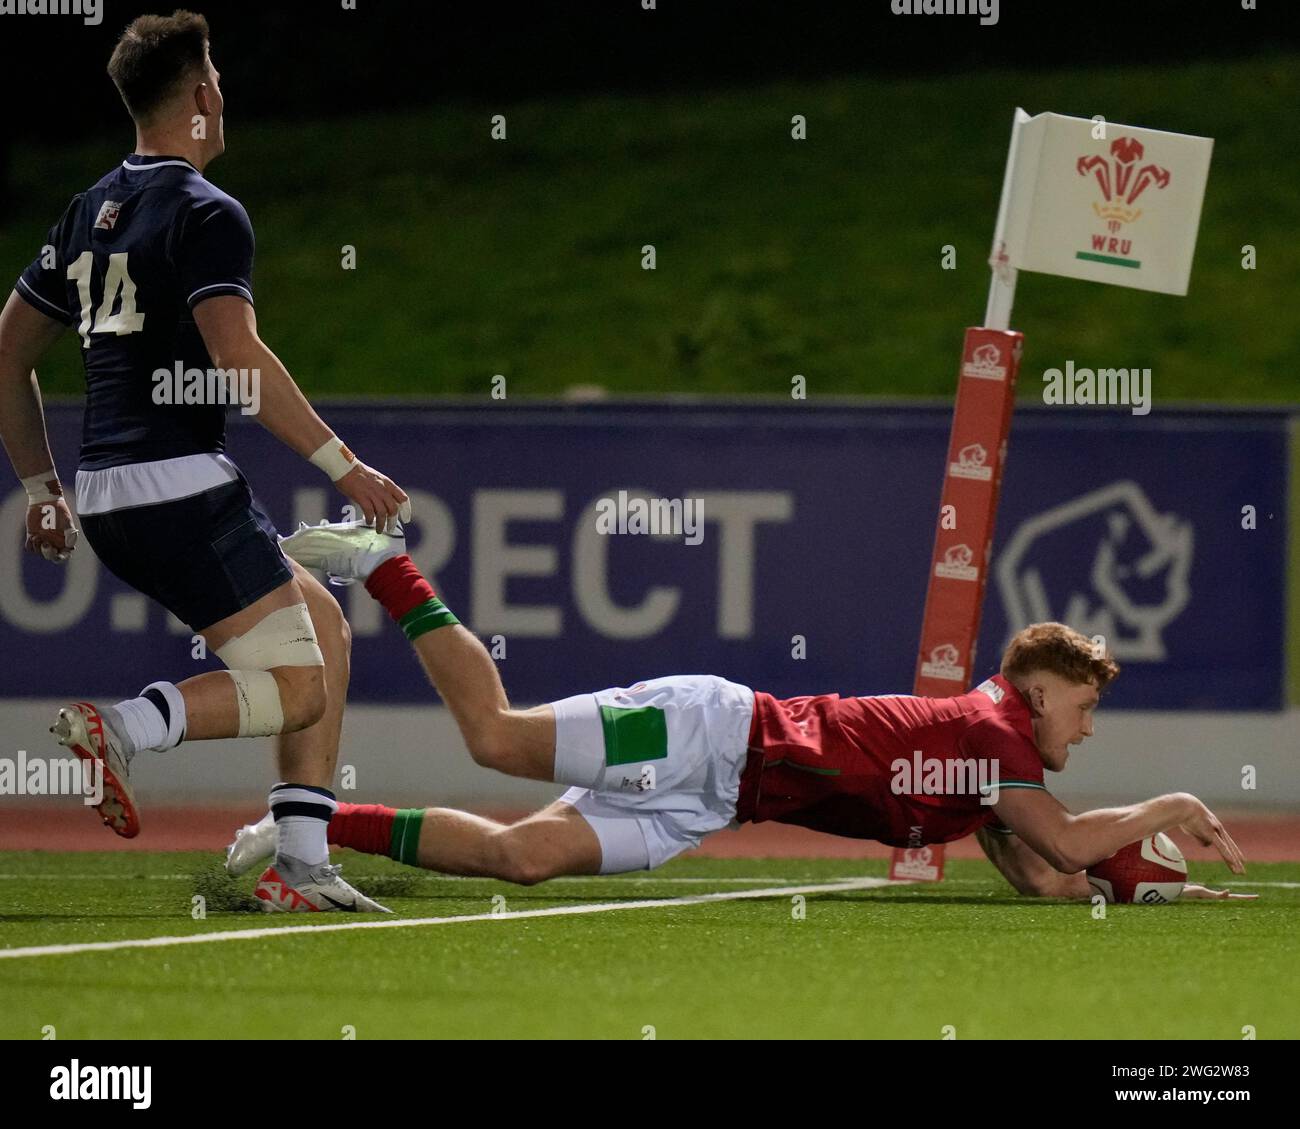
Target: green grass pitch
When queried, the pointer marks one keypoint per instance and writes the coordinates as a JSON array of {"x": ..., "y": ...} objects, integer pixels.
[{"x": 888, "y": 962}]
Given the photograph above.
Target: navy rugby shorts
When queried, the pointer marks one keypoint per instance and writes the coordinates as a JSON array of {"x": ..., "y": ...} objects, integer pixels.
[{"x": 203, "y": 558}]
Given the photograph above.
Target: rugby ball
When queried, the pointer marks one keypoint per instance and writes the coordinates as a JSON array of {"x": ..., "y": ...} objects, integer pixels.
[{"x": 1151, "y": 871}]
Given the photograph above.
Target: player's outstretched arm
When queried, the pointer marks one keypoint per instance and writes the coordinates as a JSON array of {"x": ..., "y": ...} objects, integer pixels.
[
  {"x": 1074, "y": 842},
  {"x": 1034, "y": 876},
  {"x": 26, "y": 335},
  {"x": 229, "y": 328},
  {"x": 1027, "y": 870}
]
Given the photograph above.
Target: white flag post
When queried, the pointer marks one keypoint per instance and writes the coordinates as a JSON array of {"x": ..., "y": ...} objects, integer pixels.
[
  {"x": 1083, "y": 199},
  {"x": 1102, "y": 202}
]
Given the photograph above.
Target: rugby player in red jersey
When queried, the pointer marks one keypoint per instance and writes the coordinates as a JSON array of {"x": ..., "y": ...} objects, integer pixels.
[{"x": 655, "y": 767}]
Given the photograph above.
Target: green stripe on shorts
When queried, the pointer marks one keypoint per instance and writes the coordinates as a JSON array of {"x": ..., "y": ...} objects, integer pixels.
[{"x": 636, "y": 734}]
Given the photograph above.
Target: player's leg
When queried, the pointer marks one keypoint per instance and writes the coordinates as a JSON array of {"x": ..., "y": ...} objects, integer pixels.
[
  {"x": 301, "y": 806},
  {"x": 310, "y": 754},
  {"x": 549, "y": 843},
  {"x": 520, "y": 742},
  {"x": 275, "y": 682},
  {"x": 560, "y": 839},
  {"x": 242, "y": 701},
  {"x": 582, "y": 833},
  {"x": 567, "y": 742},
  {"x": 663, "y": 760},
  {"x": 274, "y": 637},
  {"x": 213, "y": 561},
  {"x": 654, "y": 767},
  {"x": 554, "y": 841},
  {"x": 516, "y": 742},
  {"x": 665, "y": 756}
]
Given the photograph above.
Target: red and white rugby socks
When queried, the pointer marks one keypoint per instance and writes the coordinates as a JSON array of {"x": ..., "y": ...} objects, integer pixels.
[
  {"x": 377, "y": 830},
  {"x": 408, "y": 598},
  {"x": 302, "y": 817},
  {"x": 154, "y": 720}
]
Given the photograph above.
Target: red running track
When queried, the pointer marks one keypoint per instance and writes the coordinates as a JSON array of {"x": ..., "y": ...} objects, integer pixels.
[{"x": 47, "y": 827}]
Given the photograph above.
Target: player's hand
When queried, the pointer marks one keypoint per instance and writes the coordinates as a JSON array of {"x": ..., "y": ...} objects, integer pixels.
[
  {"x": 1219, "y": 895},
  {"x": 50, "y": 530},
  {"x": 380, "y": 500},
  {"x": 1205, "y": 828}
]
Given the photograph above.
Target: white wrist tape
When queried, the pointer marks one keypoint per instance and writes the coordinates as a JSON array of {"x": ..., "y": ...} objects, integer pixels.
[
  {"x": 334, "y": 458},
  {"x": 43, "y": 487}
]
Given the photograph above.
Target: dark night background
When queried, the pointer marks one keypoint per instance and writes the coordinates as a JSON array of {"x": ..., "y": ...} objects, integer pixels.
[{"x": 389, "y": 54}]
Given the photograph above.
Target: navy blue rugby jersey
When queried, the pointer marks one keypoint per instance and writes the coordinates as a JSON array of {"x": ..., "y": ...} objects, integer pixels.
[{"x": 126, "y": 265}]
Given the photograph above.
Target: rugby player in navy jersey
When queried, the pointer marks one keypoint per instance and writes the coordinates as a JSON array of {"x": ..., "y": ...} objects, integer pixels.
[{"x": 153, "y": 267}]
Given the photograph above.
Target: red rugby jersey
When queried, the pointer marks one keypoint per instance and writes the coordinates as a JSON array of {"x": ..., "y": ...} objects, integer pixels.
[{"x": 828, "y": 763}]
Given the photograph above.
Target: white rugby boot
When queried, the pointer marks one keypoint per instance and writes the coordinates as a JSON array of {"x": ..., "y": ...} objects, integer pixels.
[
  {"x": 347, "y": 551},
  {"x": 321, "y": 890},
  {"x": 254, "y": 843},
  {"x": 80, "y": 728}
]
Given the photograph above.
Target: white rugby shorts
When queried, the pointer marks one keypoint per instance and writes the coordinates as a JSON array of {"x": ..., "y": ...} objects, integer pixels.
[{"x": 673, "y": 750}]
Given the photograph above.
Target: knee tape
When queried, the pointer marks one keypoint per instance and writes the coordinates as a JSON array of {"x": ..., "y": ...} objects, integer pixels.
[
  {"x": 286, "y": 637},
  {"x": 283, "y": 638},
  {"x": 258, "y": 695}
]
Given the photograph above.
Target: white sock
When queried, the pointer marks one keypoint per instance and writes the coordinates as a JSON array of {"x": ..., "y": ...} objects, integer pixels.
[
  {"x": 136, "y": 723},
  {"x": 154, "y": 720},
  {"x": 302, "y": 817}
]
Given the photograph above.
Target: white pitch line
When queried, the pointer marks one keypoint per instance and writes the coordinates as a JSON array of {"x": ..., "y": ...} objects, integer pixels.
[
  {"x": 406, "y": 923},
  {"x": 94, "y": 877}
]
